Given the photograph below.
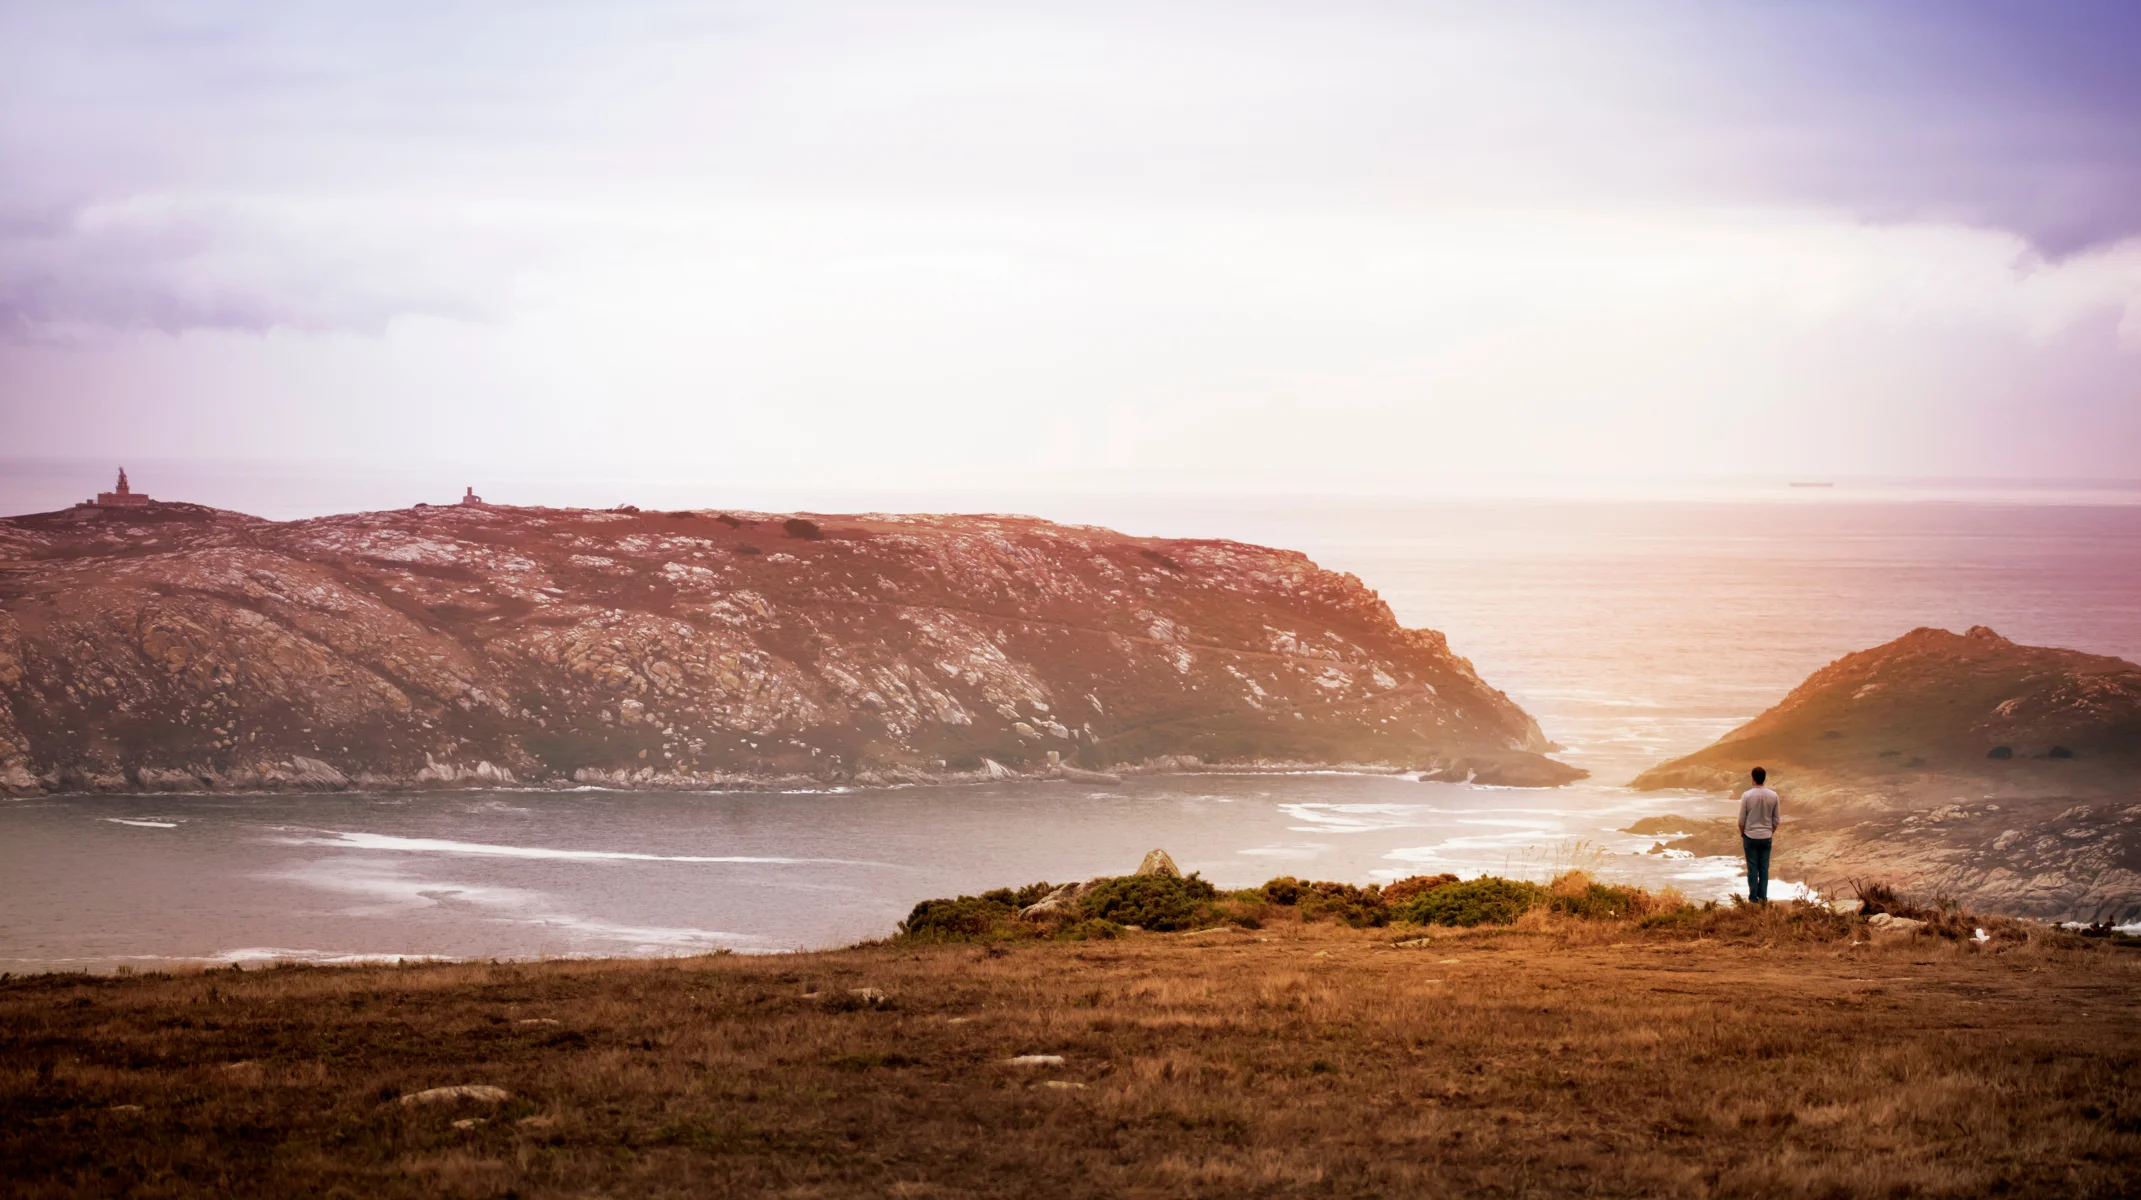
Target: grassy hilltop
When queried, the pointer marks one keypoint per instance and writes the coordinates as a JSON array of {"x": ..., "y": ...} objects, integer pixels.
[{"x": 1693, "y": 1051}]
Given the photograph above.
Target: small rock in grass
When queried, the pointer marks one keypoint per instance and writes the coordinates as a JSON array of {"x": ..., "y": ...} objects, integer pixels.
[
  {"x": 1892, "y": 923},
  {"x": 868, "y": 995},
  {"x": 1036, "y": 1060},
  {"x": 482, "y": 1092},
  {"x": 1064, "y": 1085},
  {"x": 469, "y": 1122}
]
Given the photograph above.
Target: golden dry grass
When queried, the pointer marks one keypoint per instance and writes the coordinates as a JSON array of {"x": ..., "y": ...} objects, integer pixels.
[{"x": 1559, "y": 1057}]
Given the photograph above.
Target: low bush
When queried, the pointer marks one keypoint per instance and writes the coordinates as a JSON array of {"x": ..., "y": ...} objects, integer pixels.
[
  {"x": 1599, "y": 900},
  {"x": 1483, "y": 901},
  {"x": 1285, "y": 890},
  {"x": 958, "y": 919},
  {"x": 1020, "y": 897},
  {"x": 967, "y": 918},
  {"x": 1361, "y": 908},
  {"x": 1943, "y": 917},
  {"x": 1397, "y": 894},
  {"x": 1162, "y": 903}
]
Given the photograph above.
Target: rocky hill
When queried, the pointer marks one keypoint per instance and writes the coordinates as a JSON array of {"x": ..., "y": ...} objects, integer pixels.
[
  {"x": 1934, "y": 706},
  {"x": 175, "y": 647},
  {"x": 2002, "y": 775}
]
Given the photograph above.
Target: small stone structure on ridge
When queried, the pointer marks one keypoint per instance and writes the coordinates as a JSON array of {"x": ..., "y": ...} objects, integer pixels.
[{"x": 121, "y": 496}]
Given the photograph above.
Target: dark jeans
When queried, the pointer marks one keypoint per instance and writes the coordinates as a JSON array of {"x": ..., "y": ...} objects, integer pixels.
[{"x": 1757, "y": 868}]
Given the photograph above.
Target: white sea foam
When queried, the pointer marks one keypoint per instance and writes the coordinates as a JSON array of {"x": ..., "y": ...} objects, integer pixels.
[
  {"x": 142, "y": 824},
  {"x": 396, "y": 893},
  {"x": 1355, "y": 818},
  {"x": 383, "y": 841},
  {"x": 270, "y": 954}
]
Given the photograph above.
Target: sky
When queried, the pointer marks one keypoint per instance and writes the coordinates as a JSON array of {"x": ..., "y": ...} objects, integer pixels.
[{"x": 1297, "y": 247}]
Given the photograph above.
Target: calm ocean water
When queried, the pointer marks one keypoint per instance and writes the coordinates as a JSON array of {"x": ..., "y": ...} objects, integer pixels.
[{"x": 1633, "y": 631}]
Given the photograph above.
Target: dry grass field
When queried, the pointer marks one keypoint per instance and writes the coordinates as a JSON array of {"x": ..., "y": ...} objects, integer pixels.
[{"x": 1749, "y": 1054}]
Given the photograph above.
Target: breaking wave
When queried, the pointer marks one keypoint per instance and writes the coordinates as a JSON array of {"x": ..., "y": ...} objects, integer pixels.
[{"x": 382, "y": 841}]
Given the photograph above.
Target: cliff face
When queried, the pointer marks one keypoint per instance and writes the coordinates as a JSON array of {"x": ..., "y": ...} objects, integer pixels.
[
  {"x": 2006, "y": 776},
  {"x": 174, "y": 647},
  {"x": 1938, "y": 706}
]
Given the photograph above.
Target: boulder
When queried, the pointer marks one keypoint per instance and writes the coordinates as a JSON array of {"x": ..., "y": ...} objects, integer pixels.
[
  {"x": 312, "y": 773},
  {"x": 1062, "y": 902},
  {"x": 1157, "y": 862}
]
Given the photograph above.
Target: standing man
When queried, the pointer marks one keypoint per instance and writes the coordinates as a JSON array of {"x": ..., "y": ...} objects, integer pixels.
[{"x": 1758, "y": 828}]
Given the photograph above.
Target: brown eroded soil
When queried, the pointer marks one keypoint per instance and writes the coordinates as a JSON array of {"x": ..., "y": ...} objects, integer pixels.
[{"x": 1293, "y": 1060}]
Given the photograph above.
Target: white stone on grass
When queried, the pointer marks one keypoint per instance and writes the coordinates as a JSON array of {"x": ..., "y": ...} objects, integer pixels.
[{"x": 481, "y": 1092}]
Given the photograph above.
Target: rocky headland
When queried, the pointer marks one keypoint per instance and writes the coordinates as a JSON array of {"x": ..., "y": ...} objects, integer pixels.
[
  {"x": 172, "y": 647},
  {"x": 2005, "y": 776}
]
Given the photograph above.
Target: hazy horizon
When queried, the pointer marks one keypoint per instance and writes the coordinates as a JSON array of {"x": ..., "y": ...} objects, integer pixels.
[{"x": 1178, "y": 504}]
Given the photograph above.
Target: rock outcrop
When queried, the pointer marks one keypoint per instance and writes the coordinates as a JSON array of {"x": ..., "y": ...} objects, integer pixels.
[
  {"x": 170, "y": 647},
  {"x": 2005, "y": 776}
]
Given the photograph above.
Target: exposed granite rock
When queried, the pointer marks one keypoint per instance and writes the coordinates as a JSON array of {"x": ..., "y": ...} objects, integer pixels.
[
  {"x": 177, "y": 648},
  {"x": 1159, "y": 862},
  {"x": 1886, "y": 764}
]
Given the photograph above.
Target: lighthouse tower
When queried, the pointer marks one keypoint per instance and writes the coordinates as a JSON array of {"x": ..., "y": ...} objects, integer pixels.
[{"x": 122, "y": 496}]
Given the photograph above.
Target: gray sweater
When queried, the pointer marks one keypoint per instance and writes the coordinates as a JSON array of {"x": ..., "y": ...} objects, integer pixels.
[{"x": 1758, "y": 812}]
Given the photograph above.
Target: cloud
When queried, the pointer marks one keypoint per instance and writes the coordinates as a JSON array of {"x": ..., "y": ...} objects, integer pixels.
[
  {"x": 2024, "y": 117},
  {"x": 174, "y": 264},
  {"x": 227, "y": 167}
]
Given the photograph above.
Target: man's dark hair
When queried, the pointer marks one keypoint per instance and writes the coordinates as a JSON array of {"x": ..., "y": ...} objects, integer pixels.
[{"x": 1759, "y": 776}]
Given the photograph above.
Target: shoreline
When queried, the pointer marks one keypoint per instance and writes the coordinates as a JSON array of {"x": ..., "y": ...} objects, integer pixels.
[{"x": 472, "y": 781}]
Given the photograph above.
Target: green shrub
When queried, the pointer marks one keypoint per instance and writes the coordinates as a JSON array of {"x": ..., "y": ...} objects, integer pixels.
[
  {"x": 1359, "y": 907},
  {"x": 1396, "y": 894},
  {"x": 1162, "y": 903},
  {"x": 1285, "y": 890},
  {"x": 1601, "y": 900},
  {"x": 955, "y": 920},
  {"x": 1482, "y": 901},
  {"x": 1021, "y": 897}
]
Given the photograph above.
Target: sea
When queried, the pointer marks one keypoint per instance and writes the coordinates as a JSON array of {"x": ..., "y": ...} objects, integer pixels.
[{"x": 1634, "y": 627}]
